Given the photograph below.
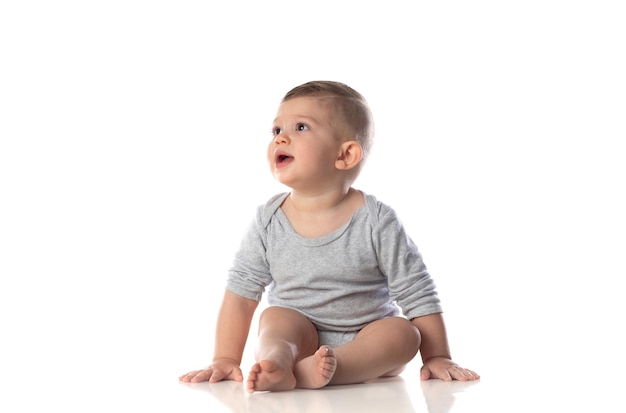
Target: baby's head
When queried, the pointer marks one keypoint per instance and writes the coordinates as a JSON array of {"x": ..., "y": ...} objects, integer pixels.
[{"x": 350, "y": 114}]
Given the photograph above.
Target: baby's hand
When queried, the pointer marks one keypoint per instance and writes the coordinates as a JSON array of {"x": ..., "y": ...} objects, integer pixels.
[
  {"x": 447, "y": 370},
  {"x": 218, "y": 371}
]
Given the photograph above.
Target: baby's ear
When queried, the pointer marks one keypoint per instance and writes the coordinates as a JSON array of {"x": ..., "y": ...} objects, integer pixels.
[{"x": 350, "y": 154}]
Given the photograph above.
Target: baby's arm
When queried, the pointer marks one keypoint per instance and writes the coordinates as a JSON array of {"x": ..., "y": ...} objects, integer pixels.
[
  {"x": 233, "y": 325},
  {"x": 435, "y": 351}
]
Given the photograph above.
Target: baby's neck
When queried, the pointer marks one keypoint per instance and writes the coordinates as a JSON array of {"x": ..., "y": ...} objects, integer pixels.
[
  {"x": 314, "y": 216},
  {"x": 320, "y": 201}
]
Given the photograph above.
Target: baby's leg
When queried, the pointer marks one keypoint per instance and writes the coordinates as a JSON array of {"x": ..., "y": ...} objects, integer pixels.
[
  {"x": 285, "y": 337},
  {"x": 382, "y": 348}
]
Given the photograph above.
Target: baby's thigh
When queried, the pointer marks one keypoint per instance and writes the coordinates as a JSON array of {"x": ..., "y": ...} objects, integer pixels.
[{"x": 393, "y": 332}]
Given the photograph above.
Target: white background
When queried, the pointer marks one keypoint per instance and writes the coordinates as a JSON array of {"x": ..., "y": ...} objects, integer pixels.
[{"x": 132, "y": 156}]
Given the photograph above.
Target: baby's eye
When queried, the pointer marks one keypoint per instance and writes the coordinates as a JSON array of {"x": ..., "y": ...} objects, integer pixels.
[
  {"x": 301, "y": 127},
  {"x": 276, "y": 130}
]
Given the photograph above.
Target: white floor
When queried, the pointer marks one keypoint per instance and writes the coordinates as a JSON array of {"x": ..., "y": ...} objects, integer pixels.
[
  {"x": 405, "y": 394},
  {"x": 511, "y": 382},
  {"x": 510, "y": 387},
  {"x": 130, "y": 363}
]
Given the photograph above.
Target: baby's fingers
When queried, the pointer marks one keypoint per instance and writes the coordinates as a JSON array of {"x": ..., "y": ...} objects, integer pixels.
[
  {"x": 196, "y": 376},
  {"x": 218, "y": 375},
  {"x": 461, "y": 374}
]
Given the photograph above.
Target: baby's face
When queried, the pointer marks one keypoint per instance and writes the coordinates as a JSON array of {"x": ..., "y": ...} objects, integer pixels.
[{"x": 303, "y": 149}]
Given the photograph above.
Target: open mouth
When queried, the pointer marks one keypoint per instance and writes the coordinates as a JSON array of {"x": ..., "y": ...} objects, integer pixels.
[{"x": 283, "y": 158}]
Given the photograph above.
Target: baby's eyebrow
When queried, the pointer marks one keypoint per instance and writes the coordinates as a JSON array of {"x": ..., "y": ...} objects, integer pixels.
[
  {"x": 303, "y": 117},
  {"x": 309, "y": 118}
]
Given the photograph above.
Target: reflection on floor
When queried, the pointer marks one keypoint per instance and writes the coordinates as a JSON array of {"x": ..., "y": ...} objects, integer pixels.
[{"x": 377, "y": 396}]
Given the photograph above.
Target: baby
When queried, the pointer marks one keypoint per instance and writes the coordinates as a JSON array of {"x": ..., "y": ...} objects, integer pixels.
[{"x": 338, "y": 263}]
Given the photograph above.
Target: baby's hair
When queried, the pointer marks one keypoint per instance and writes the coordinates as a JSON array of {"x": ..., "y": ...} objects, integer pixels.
[{"x": 349, "y": 104}]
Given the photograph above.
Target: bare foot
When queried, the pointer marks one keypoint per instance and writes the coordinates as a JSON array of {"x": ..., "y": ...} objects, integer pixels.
[
  {"x": 267, "y": 375},
  {"x": 317, "y": 370}
]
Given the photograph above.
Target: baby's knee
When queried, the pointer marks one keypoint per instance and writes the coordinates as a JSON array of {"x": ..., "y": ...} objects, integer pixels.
[
  {"x": 408, "y": 335},
  {"x": 284, "y": 317},
  {"x": 278, "y": 313}
]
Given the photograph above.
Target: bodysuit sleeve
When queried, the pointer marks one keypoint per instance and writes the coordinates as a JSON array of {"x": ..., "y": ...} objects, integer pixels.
[
  {"x": 250, "y": 272},
  {"x": 410, "y": 284}
]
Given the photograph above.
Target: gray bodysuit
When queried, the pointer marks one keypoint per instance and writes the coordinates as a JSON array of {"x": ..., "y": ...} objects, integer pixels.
[{"x": 341, "y": 281}]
